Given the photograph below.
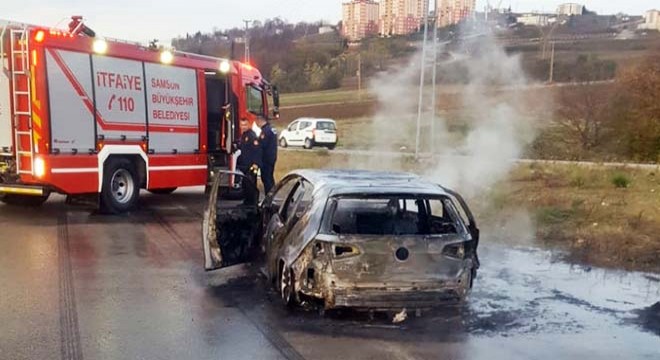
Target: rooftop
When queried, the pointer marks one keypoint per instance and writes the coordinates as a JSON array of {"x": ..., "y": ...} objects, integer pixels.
[{"x": 336, "y": 182}]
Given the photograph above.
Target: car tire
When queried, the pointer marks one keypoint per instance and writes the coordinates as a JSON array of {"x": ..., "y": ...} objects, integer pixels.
[
  {"x": 165, "y": 191},
  {"x": 121, "y": 187},
  {"x": 309, "y": 143},
  {"x": 24, "y": 200},
  {"x": 285, "y": 285},
  {"x": 283, "y": 142},
  {"x": 332, "y": 147}
]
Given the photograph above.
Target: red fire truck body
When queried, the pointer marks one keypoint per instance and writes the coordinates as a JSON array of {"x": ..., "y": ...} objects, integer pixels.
[{"x": 82, "y": 115}]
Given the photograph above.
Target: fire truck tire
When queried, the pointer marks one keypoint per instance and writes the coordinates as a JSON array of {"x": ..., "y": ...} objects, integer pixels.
[
  {"x": 121, "y": 188},
  {"x": 165, "y": 191},
  {"x": 24, "y": 200}
]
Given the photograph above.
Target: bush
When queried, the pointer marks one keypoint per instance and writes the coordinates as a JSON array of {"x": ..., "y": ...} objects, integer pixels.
[{"x": 620, "y": 181}]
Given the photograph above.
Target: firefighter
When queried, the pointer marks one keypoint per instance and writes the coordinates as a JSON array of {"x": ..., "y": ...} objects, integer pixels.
[
  {"x": 249, "y": 161},
  {"x": 269, "y": 144}
]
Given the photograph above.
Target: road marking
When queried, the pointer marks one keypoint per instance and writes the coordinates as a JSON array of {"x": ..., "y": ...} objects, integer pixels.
[{"x": 70, "y": 347}]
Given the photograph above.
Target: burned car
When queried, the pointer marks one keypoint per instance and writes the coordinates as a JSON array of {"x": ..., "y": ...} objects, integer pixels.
[{"x": 356, "y": 239}]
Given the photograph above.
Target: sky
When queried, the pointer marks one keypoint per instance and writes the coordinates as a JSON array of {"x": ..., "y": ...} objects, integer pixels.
[{"x": 139, "y": 20}]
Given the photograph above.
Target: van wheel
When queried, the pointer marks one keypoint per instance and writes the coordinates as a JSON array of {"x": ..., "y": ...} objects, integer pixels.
[
  {"x": 165, "y": 191},
  {"x": 283, "y": 143},
  {"x": 24, "y": 200},
  {"x": 308, "y": 143},
  {"x": 332, "y": 147},
  {"x": 120, "y": 190},
  {"x": 286, "y": 287}
]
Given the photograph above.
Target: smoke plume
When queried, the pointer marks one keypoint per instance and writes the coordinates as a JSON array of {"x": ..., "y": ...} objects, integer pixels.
[{"x": 493, "y": 121}]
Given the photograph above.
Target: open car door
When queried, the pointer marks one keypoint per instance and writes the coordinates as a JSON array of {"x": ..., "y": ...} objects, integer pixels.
[
  {"x": 468, "y": 218},
  {"x": 230, "y": 228}
]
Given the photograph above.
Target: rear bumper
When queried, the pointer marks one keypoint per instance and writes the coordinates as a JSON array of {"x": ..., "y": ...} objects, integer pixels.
[
  {"x": 22, "y": 190},
  {"x": 325, "y": 142},
  {"x": 395, "y": 299}
]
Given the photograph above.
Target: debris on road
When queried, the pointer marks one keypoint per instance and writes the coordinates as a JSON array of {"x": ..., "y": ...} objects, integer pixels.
[{"x": 400, "y": 317}]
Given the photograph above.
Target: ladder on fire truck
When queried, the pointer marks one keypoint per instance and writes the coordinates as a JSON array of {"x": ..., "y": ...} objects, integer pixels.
[{"x": 21, "y": 95}]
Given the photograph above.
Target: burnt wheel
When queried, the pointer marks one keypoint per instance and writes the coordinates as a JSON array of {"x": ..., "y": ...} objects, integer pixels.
[
  {"x": 286, "y": 287},
  {"x": 121, "y": 188}
]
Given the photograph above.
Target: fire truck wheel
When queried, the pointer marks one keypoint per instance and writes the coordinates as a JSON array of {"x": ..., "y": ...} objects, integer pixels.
[
  {"x": 166, "y": 191},
  {"x": 120, "y": 189},
  {"x": 24, "y": 200}
]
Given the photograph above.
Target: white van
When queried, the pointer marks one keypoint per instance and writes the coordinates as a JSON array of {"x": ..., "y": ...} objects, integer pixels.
[{"x": 310, "y": 132}]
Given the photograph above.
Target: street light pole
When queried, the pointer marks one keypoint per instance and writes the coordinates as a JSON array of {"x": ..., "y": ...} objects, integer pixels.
[
  {"x": 421, "y": 80},
  {"x": 359, "y": 75},
  {"x": 434, "y": 75},
  {"x": 247, "y": 41},
  {"x": 552, "y": 63}
]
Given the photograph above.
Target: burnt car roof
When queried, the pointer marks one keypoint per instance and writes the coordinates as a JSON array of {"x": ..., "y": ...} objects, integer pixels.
[{"x": 338, "y": 182}]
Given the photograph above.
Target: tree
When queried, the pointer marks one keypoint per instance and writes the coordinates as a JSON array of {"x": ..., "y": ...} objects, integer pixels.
[
  {"x": 637, "y": 120},
  {"x": 582, "y": 113}
]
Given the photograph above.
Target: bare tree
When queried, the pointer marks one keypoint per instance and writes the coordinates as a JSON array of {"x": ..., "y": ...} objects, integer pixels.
[
  {"x": 583, "y": 112},
  {"x": 638, "y": 107}
]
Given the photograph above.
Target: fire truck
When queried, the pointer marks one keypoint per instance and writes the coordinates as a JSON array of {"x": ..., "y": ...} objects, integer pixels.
[{"x": 85, "y": 115}]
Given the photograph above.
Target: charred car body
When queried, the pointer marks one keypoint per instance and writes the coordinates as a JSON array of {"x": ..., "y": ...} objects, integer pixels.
[{"x": 357, "y": 239}]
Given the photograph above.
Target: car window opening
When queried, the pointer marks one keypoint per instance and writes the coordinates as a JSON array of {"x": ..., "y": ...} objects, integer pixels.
[
  {"x": 325, "y": 125},
  {"x": 393, "y": 216}
]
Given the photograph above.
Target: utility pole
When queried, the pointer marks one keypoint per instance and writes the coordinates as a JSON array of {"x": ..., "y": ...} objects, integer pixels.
[
  {"x": 552, "y": 63},
  {"x": 434, "y": 75},
  {"x": 359, "y": 75},
  {"x": 420, "y": 103},
  {"x": 247, "y": 40}
]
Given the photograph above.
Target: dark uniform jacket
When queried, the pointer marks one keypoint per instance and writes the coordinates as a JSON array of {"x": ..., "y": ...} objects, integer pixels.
[
  {"x": 251, "y": 151},
  {"x": 269, "y": 143}
]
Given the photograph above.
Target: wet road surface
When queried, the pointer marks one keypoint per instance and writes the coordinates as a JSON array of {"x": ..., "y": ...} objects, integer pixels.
[{"x": 75, "y": 285}]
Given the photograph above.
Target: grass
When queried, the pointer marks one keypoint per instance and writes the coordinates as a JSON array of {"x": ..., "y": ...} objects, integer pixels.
[
  {"x": 322, "y": 97},
  {"x": 595, "y": 220}
]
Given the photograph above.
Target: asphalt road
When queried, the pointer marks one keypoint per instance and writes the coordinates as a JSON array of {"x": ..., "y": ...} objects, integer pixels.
[{"x": 76, "y": 285}]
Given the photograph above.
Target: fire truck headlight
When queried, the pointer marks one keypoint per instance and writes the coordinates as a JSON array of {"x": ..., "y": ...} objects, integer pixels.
[
  {"x": 39, "y": 36},
  {"x": 100, "y": 46},
  {"x": 39, "y": 167},
  {"x": 225, "y": 67},
  {"x": 166, "y": 57}
]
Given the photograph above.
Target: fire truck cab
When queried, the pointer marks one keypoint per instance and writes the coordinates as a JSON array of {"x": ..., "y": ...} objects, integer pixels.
[{"x": 80, "y": 114}]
